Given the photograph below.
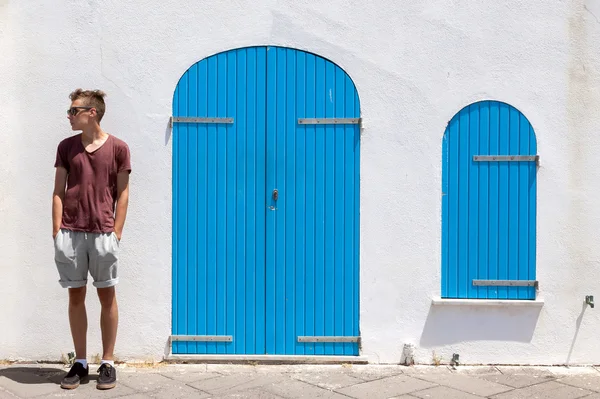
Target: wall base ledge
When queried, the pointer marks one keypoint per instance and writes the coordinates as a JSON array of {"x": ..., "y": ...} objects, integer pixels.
[{"x": 438, "y": 301}]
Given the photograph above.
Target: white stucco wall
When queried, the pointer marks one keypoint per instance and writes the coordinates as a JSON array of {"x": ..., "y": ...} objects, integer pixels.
[{"x": 415, "y": 64}]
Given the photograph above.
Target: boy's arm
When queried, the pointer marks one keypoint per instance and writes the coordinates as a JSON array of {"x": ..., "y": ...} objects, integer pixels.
[
  {"x": 122, "y": 202},
  {"x": 58, "y": 197}
]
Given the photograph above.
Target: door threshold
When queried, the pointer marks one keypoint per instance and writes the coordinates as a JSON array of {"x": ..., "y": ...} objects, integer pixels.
[{"x": 264, "y": 359}]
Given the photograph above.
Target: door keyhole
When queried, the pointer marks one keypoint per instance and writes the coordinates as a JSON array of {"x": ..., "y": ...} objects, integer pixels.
[{"x": 275, "y": 195}]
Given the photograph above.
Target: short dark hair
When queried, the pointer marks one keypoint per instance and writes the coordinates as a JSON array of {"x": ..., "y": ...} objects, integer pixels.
[{"x": 91, "y": 98}]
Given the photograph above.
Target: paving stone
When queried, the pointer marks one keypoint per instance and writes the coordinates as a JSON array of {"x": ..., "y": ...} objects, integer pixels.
[
  {"x": 299, "y": 368},
  {"x": 191, "y": 376},
  {"x": 177, "y": 392},
  {"x": 517, "y": 380},
  {"x": 26, "y": 383},
  {"x": 230, "y": 368},
  {"x": 310, "y": 381},
  {"x": 299, "y": 389},
  {"x": 386, "y": 387},
  {"x": 444, "y": 393},
  {"x": 533, "y": 371},
  {"x": 328, "y": 380},
  {"x": 370, "y": 373},
  {"x": 156, "y": 385},
  {"x": 590, "y": 382},
  {"x": 90, "y": 391},
  {"x": 560, "y": 372},
  {"x": 146, "y": 382},
  {"x": 218, "y": 385},
  {"x": 6, "y": 395},
  {"x": 476, "y": 370},
  {"x": 426, "y": 370},
  {"x": 546, "y": 390},
  {"x": 187, "y": 368},
  {"x": 254, "y": 394},
  {"x": 229, "y": 384},
  {"x": 465, "y": 383}
]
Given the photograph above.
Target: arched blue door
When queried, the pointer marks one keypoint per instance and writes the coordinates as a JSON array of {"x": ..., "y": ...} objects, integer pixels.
[
  {"x": 489, "y": 204},
  {"x": 265, "y": 206}
]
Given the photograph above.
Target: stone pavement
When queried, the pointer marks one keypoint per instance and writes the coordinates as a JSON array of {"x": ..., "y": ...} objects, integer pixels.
[{"x": 309, "y": 381}]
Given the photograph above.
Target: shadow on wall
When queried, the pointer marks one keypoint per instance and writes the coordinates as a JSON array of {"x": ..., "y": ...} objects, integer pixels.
[
  {"x": 577, "y": 328},
  {"x": 168, "y": 131},
  {"x": 455, "y": 324}
]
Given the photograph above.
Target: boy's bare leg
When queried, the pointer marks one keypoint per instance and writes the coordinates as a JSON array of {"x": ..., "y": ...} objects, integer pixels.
[
  {"x": 78, "y": 321},
  {"x": 109, "y": 320}
]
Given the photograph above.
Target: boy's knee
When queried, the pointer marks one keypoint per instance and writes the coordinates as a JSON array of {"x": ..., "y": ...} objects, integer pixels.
[
  {"x": 107, "y": 296},
  {"x": 77, "y": 296}
]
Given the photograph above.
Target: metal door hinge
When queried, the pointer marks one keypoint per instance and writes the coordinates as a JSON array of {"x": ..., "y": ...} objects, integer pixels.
[
  {"x": 329, "y": 121},
  {"x": 202, "y": 338},
  {"x": 328, "y": 339},
  {"x": 183, "y": 119},
  {"x": 507, "y": 283},
  {"x": 506, "y": 158}
]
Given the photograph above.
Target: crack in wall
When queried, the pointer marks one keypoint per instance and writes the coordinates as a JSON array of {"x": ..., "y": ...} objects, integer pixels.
[{"x": 593, "y": 15}]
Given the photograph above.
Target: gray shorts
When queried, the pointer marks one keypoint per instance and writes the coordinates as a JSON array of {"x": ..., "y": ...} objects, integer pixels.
[{"x": 76, "y": 253}]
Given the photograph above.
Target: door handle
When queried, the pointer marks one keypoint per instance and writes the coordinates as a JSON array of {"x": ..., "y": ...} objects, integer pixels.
[{"x": 275, "y": 195}]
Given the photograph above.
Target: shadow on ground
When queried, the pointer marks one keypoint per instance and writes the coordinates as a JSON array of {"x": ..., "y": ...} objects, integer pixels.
[{"x": 38, "y": 375}]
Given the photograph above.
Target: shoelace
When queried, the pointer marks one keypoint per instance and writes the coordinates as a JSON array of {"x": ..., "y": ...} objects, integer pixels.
[{"x": 104, "y": 370}]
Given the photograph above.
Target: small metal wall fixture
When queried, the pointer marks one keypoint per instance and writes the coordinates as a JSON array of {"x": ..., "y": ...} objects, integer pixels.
[
  {"x": 455, "y": 361},
  {"x": 589, "y": 299}
]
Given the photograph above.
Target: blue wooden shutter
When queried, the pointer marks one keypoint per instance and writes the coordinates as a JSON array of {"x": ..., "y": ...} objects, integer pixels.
[{"x": 488, "y": 206}]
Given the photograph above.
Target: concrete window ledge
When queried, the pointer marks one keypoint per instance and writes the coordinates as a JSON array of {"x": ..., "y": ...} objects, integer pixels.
[{"x": 437, "y": 301}]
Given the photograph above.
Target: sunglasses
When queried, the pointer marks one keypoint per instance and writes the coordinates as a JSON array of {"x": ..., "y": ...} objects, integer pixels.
[{"x": 75, "y": 110}]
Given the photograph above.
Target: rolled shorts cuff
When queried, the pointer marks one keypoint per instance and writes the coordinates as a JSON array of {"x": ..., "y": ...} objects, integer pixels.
[
  {"x": 106, "y": 284},
  {"x": 73, "y": 284}
]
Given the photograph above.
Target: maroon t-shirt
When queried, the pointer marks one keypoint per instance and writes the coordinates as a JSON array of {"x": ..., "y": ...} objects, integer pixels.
[{"x": 89, "y": 203}]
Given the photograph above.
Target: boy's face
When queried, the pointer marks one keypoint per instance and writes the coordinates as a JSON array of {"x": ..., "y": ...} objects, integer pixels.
[{"x": 80, "y": 115}]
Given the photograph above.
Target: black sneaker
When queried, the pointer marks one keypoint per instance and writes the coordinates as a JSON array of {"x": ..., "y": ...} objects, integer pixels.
[
  {"x": 74, "y": 376},
  {"x": 107, "y": 377}
]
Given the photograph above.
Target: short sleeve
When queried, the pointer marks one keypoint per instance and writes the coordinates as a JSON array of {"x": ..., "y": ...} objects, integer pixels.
[
  {"x": 61, "y": 156},
  {"x": 123, "y": 159}
]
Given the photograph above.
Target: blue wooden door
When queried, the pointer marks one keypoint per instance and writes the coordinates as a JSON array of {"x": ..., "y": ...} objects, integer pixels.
[
  {"x": 218, "y": 205},
  {"x": 489, "y": 204},
  {"x": 265, "y": 209}
]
